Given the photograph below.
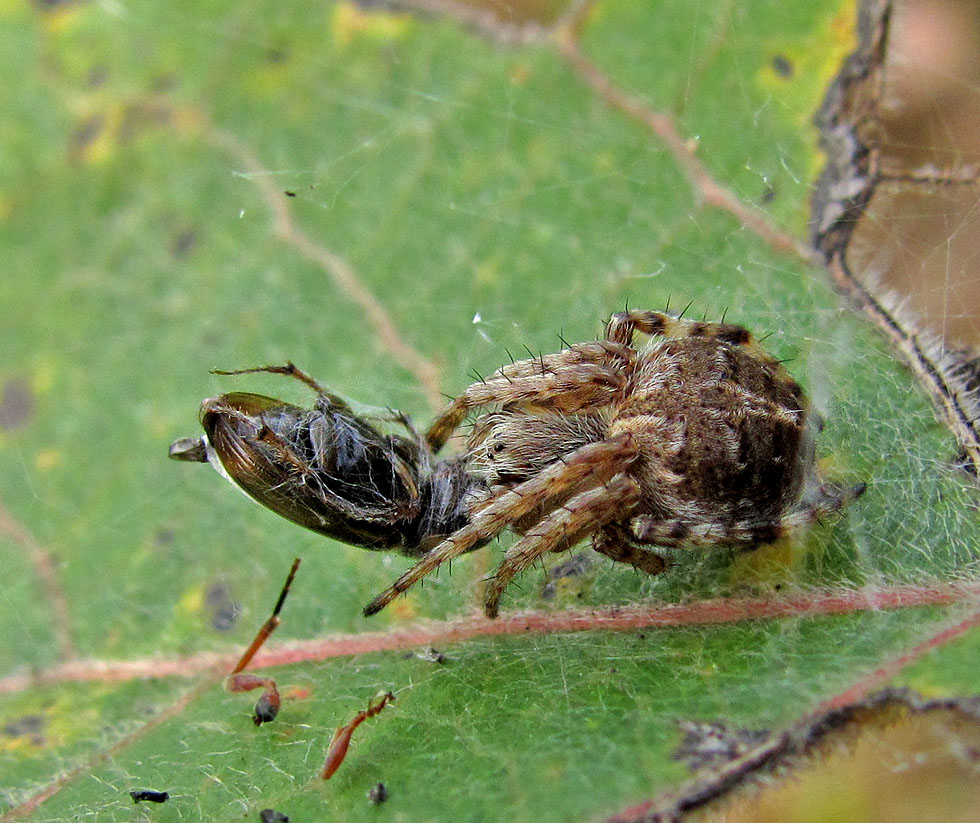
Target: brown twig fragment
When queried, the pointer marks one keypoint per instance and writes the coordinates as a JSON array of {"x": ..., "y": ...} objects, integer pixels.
[
  {"x": 337, "y": 750},
  {"x": 269, "y": 702}
]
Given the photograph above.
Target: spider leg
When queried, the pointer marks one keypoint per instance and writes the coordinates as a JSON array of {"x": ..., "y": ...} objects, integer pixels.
[
  {"x": 677, "y": 533},
  {"x": 585, "y": 467},
  {"x": 587, "y": 375},
  {"x": 624, "y": 324},
  {"x": 617, "y": 543},
  {"x": 564, "y": 527}
]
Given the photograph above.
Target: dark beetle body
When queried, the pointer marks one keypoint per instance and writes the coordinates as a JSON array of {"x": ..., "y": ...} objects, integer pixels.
[{"x": 330, "y": 470}]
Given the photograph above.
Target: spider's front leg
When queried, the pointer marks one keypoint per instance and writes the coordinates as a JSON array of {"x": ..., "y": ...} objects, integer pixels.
[
  {"x": 584, "y": 376},
  {"x": 288, "y": 370},
  {"x": 581, "y": 516},
  {"x": 267, "y": 706},
  {"x": 585, "y": 468}
]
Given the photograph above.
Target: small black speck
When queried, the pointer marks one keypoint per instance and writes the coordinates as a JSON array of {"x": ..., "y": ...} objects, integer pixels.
[
  {"x": 224, "y": 610},
  {"x": 164, "y": 537},
  {"x": 86, "y": 132},
  {"x": 430, "y": 655},
  {"x": 289, "y": 193},
  {"x": 97, "y": 77},
  {"x": 30, "y": 726},
  {"x": 149, "y": 796},
  {"x": 782, "y": 66},
  {"x": 378, "y": 793},
  {"x": 183, "y": 243}
]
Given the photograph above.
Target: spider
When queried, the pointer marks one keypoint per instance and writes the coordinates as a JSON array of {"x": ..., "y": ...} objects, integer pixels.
[{"x": 699, "y": 438}]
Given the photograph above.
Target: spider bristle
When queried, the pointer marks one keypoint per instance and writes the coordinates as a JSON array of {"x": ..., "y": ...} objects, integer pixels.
[
  {"x": 564, "y": 342},
  {"x": 512, "y": 360},
  {"x": 766, "y": 336},
  {"x": 667, "y": 307},
  {"x": 724, "y": 314},
  {"x": 684, "y": 311}
]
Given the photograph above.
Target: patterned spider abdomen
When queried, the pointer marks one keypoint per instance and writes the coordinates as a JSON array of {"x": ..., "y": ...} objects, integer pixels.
[{"x": 722, "y": 429}]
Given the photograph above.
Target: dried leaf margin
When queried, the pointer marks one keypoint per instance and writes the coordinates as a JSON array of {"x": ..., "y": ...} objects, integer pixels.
[{"x": 850, "y": 137}]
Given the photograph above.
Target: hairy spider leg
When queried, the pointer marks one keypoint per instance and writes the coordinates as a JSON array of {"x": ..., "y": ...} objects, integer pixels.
[
  {"x": 615, "y": 541},
  {"x": 267, "y": 706},
  {"x": 622, "y": 326},
  {"x": 584, "y": 468},
  {"x": 563, "y": 528},
  {"x": 678, "y": 533},
  {"x": 587, "y": 375}
]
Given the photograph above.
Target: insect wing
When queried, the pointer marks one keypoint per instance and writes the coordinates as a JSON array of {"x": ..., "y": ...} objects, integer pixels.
[{"x": 324, "y": 469}]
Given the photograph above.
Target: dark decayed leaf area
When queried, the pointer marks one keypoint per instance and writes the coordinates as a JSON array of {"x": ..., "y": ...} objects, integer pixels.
[{"x": 394, "y": 198}]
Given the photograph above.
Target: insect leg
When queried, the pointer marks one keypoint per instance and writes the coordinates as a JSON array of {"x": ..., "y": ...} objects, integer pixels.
[
  {"x": 267, "y": 706},
  {"x": 288, "y": 370}
]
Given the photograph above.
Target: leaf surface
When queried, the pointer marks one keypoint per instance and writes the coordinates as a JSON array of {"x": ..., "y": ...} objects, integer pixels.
[{"x": 393, "y": 202}]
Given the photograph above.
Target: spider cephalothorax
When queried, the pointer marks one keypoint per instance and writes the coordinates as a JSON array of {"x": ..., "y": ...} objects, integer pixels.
[{"x": 698, "y": 438}]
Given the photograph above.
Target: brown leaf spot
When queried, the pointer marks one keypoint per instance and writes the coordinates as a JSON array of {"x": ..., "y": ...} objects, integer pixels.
[
  {"x": 183, "y": 243},
  {"x": 16, "y": 404},
  {"x": 224, "y": 610},
  {"x": 30, "y": 726}
]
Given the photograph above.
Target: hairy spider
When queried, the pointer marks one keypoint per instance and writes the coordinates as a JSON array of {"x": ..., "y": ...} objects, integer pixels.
[{"x": 699, "y": 438}]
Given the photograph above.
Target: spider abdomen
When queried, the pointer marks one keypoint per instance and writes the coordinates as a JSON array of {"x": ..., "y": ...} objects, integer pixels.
[{"x": 723, "y": 433}]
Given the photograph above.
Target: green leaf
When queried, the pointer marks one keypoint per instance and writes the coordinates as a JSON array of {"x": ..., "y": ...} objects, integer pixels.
[{"x": 459, "y": 191}]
